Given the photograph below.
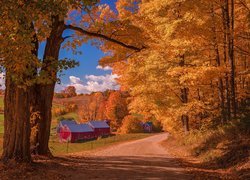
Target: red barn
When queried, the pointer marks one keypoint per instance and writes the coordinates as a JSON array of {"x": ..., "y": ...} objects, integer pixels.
[
  {"x": 101, "y": 128},
  {"x": 75, "y": 132}
]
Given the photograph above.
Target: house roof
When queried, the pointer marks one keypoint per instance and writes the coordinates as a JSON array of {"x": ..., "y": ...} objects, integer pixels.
[
  {"x": 98, "y": 124},
  {"x": 79, "y": 128},
  {"x": 67, "y": 122}
]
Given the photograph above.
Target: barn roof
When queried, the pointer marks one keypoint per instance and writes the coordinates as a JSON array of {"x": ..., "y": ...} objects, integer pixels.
[
  {"x": 98, "y": 124},
  {"x": 67, "y": 122},
  {"x": 79, "y": 128}
]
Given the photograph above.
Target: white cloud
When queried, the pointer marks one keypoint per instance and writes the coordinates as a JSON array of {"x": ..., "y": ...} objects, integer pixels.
[
  {"x": 90, "y": 83},
  {"x": 74, "y": 80},
  {"x": 94, "y": 83},
  {"x": 106, "y": 68}
]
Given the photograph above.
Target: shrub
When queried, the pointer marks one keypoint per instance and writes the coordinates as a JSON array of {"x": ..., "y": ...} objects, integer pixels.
[
  {"x": 131, "y": 124},
  {"x": 59, "y": 111},
  {"x": 71, "y": 108}
]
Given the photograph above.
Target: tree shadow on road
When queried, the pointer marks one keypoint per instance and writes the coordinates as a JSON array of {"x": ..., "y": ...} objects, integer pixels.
[
  {"x": 132, "y": 167},
  {"x": 105, "y": 167}
]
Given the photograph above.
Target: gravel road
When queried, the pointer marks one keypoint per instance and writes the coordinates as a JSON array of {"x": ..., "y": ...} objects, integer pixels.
[{"x": 140, "y": 159}]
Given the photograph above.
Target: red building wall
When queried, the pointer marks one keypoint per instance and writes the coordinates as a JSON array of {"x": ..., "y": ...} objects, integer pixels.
[
  {"x": 101, "y": 132},
  {"x": 79, "y": 136}
]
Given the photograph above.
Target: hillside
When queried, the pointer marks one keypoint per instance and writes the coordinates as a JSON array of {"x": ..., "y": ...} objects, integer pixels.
[{"x": 78, "y": 100}]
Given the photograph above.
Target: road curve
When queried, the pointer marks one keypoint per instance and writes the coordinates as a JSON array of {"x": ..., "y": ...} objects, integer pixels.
[
  {"x": 139, "y": 159},
  {"x": 149, "y": 146}
]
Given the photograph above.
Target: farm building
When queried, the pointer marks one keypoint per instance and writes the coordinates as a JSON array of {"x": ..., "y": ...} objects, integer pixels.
[
  {"x": 64, "y": 123},
  {"x": 74, "y": 132},
  {"x": 71, "y": 131},
  {"x": 101, "y": 128},
  {"x": 147, "y": 127}
]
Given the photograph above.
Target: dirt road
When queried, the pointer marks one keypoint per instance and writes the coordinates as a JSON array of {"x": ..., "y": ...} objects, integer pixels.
[
  {"x": 140, "y": 159},
  {"x": 144, "y": 147}
]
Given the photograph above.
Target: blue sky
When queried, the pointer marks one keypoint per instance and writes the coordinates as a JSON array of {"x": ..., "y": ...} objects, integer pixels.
[{"x": 88, "y": 62}]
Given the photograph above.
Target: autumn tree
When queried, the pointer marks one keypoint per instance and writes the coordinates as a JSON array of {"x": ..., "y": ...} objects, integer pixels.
[
  {"x": 17, "y": 36},
  {"x": 93, "y": 107},
  {"x": 131, "y": 124},
  {"x": 69, "y": 91},
  {"x": 86, "y": 30},
  {"x": 116, "y": 109},
  {"x": 187, "y": 76},
  {"x": 30, "y": 82}
]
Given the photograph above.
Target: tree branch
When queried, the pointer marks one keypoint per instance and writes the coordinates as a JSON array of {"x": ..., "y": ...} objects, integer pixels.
[
  {"x": 98, "y": 35},
  {"x": 66, "y": 37}
]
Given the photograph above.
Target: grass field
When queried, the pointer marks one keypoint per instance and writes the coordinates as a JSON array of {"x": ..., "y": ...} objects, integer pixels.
[
  {"x": 58, "y": 148},
  {"x": 1, "y": 123},
  {"x": 54, "y": 119},
  {"x": 1, "y": 102}
]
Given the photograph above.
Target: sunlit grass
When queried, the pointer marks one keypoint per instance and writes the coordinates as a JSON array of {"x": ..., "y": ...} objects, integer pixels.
[
  {"x": 1, "y": 102},
  {"x": 1, "y": 123},
  {"x": 58, "y": 148}
]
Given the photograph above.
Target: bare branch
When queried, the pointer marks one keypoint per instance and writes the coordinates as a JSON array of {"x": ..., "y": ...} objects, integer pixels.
[
  {"x": 98, "y": 35},
  {"x": 66, "y": 37}
]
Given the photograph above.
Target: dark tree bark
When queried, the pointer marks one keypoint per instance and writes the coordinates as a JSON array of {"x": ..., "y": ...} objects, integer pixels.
[
  {"x": 184, "y": 99},
  {"x": 45, "y": 92},
  {"x": 232, "y": 61},
  {"x": 185, "y": 118},
  {"x": 16, "y": 143},
  {"x": 229, "y": 26},
  {"x": 218, "y": 63}
]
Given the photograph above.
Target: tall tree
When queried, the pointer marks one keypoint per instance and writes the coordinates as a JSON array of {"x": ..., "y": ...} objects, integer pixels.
[
  {"x": 43, "y": 21},
  {"x": 188, "y": 72},
  {"x": 116, "y": 109}
]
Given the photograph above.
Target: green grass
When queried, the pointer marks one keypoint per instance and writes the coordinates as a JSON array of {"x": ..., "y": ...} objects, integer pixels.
[
  {"x": 71, "y": 115},
  {"x": 1, "y": 123},
  {"x": 1, "y": 102},
  {"x": 58, "y": 148}
]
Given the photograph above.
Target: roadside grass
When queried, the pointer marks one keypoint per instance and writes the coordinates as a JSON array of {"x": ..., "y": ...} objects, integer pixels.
[
  {"x": 71, "y": 115},
  {"x": 58, "y": 148},
  {"x": 1, "y": 123},
  {"x": 222, "y": 147},
  {"x": 1, "y": 102}
]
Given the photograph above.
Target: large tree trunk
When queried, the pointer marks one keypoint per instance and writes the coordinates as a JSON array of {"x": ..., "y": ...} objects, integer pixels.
[
  {"x": 232, "y": 61},
  {"x": 184, "y": 117},
  {"x": 16, "y": 143},
  {"x": 229, "y": 25},
  {"x": 44, "y": 93},
  {"x": 184, "y": 99},
  {"x": 44, "y": 122},
  {"x": 218, "y": 63}
]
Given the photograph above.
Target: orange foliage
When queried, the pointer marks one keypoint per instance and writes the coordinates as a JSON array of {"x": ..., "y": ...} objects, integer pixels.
[
  {"x": 116, "y": 108},
  {"x": 131, "y": 124}
]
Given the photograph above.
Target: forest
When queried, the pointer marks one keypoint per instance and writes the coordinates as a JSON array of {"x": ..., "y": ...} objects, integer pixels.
[
  {"x": 181, "y": 63},
  {"x": 109, "y": 105}
]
